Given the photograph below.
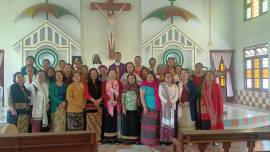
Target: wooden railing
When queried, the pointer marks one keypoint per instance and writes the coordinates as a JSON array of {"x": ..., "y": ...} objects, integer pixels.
[
  {"x": 83, "y": 141},
  {"x": 226, "y": 137}
]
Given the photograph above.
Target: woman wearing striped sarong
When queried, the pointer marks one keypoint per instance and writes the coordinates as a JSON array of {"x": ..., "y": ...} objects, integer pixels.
[
  {"x": 151, "y": 107},
  {"x": 75, "y": 104}
]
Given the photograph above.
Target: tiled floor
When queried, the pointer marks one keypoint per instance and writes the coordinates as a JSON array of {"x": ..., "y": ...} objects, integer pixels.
[
  {"x": 261, "y": 146},
  {"x": 235, "y": 117},
  {"x": 133, "y": 148},
  {"x": 242, "y": 117},
  {"x": 236, "y": 112}
]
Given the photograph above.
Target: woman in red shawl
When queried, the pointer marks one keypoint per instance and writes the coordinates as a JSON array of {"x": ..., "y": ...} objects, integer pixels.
[
  {"x": 151, "y": 108},
  {"x": 211, "y": 104}
]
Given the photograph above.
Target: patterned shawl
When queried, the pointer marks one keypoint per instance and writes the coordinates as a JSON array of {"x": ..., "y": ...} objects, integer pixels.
[
  {"x": 133, "y": 87},
  {"x": 212, "y": 105},
  {"x": 112, "y": 91}
]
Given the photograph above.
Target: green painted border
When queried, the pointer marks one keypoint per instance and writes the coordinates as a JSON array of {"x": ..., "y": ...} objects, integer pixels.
[
  {"x": 46, "y": 50},
  {"x": 178, "y": 52}
]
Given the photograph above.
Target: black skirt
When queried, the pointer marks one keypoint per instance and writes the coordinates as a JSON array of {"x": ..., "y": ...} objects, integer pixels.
[
  {"x": 131, "y": 125},
  {"x": 110, "y": 125},
  {"x": 205, "y": 125}
]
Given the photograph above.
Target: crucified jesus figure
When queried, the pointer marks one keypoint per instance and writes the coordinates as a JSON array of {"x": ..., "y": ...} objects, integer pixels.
[{"x": 111, "y": 18}]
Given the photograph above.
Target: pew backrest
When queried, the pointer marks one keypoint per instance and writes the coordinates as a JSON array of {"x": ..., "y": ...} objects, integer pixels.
[
  {"x": 204, "y": 137},
  {"x": 81, "y": 141}
]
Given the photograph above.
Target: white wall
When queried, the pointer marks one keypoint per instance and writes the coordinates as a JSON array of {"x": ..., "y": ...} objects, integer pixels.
[
  {"x": 131, "y": 32},
  {"x": 197, "y": 30},
  {"x": 249, "y": 33},
  {"x": 94, "y": 32},
  {"x": 11, "y": 32}
]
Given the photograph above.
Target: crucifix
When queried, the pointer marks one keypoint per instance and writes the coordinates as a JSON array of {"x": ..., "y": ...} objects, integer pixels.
[{"x": 112, "y": 11}]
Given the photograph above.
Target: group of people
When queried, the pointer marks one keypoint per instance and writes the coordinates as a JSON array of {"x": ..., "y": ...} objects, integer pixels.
[{"x": 124, "y": 102}]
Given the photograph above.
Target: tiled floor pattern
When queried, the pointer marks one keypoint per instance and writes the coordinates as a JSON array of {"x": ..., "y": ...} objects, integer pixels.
[
  {"x": 261, "y": 146},
  {"x": 239, "y": 117},
  {"x": 132, "y": 148},
  {"x": 253, "y": 99}
]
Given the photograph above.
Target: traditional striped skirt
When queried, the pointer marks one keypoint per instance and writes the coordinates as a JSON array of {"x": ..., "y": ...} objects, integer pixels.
[
  {"x": 93, "y": 121},
  {"x": 59, "y": 120},
  {"x": 150, "y": 128},
  {"x": 75, "y": 121},
  {"x": 36, "y": 125},
  {"x": 168, "y": 127}
]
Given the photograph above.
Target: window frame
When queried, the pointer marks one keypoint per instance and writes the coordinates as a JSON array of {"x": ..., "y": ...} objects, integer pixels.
[
  {"x": 252, "y": 58},
  {"x": 260, "y": 10},
  {"x": 223, "y": 72}
]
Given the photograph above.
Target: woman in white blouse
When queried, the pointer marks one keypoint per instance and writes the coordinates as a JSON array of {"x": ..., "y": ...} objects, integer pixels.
[
  {"x": 30, "y": 77},
  {"x": 40, "y": 101},
  {"x": 168, "y": 94}
]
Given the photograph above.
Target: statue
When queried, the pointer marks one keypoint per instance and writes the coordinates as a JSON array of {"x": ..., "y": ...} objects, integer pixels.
[
  {"x": 111, "y": 18},
  {"x": 111, "y": 10}
]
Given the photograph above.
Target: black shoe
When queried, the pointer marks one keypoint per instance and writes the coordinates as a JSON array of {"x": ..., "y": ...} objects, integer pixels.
[
  {"x": 126, "y": 143},
  {"x": 118, "y": 142},
  {"x": 167, "y": 143},
  {"x": 138, "y": 143},
  {"x": 215, "y": 144},
  {"x": 103, "y": 142}
]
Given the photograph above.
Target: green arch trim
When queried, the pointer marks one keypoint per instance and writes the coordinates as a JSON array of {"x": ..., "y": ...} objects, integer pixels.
[
  {"x": 46, "y": 51},
  {"x": 175, "y": 51}
]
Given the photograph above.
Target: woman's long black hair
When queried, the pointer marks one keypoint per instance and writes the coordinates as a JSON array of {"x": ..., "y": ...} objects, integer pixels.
[{"x": 96, "y": 87}]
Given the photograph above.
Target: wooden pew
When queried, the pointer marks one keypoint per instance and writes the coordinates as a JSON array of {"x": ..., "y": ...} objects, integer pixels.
[
  {"x": 204, "y": 137},
  {"x": 82, "y": 141}
]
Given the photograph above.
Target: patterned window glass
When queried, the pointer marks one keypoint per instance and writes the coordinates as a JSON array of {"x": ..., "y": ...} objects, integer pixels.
[
  {"x": 256, "y": 67},
  {"x": 255, "y": 8}
]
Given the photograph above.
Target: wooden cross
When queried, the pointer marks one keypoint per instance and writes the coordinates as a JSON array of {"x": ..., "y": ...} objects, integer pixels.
[{"x": 111, "y": 6}]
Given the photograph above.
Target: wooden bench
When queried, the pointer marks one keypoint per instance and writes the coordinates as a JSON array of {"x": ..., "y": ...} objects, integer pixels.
[
  {"x": 204, "y": 137},
  {"x": 83, "y": 141}
]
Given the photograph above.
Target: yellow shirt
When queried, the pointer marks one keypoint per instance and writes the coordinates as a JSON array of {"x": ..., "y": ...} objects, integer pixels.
[{"x": 75, "y": 97}]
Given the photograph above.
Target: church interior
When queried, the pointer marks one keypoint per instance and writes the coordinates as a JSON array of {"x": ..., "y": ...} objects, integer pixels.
[{"x": 228, "y": 37}]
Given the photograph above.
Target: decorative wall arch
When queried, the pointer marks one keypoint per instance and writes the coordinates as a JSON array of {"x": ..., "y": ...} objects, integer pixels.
[
  {"x": 48, "y": 36},
  {"x": 168, "y": 38}
]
